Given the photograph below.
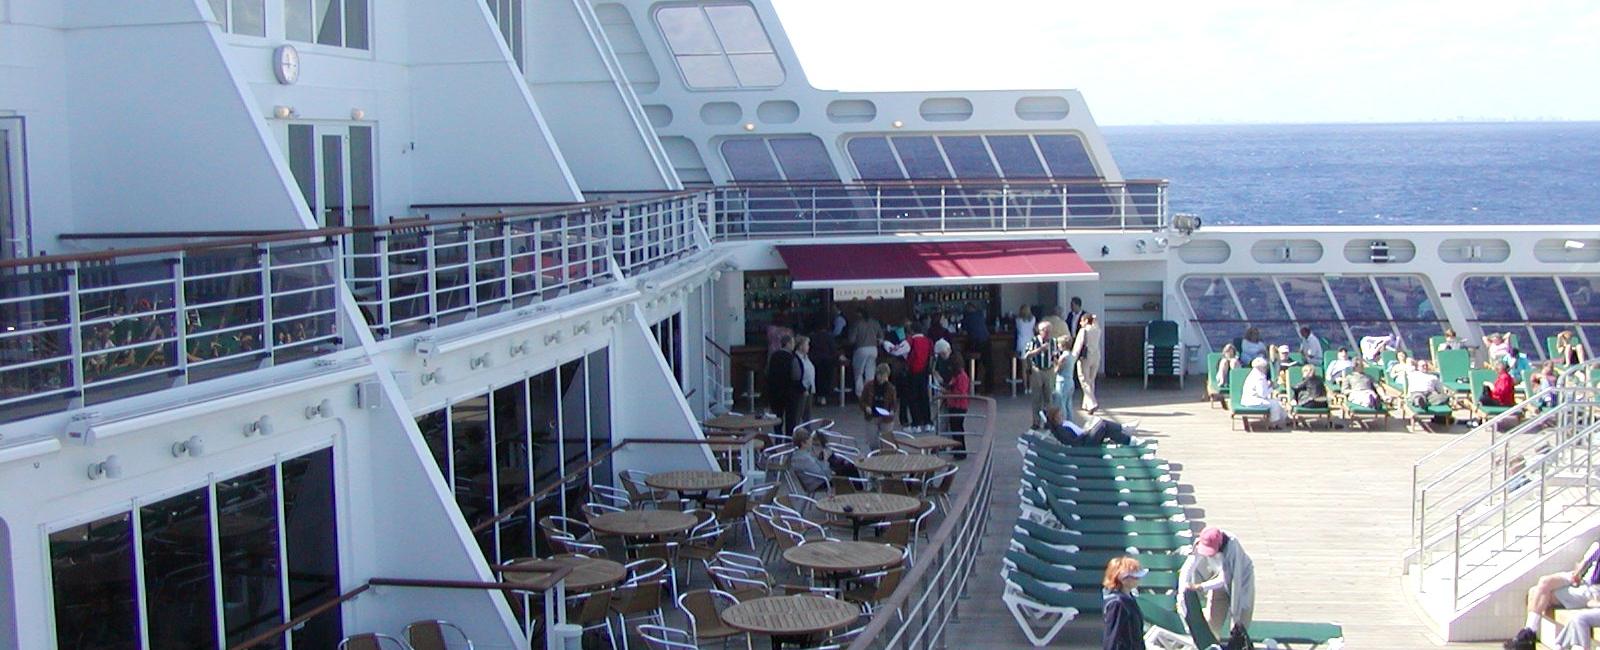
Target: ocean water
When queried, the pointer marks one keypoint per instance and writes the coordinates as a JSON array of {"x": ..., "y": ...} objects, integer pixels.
[{"x": 1377, "y": 174}]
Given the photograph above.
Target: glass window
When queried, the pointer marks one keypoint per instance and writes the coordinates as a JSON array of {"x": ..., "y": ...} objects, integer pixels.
[
  {"x": 1265, "y": 310},
  {"x": 247, "y": 543},
  {"x": 1407, "y": 297},
  {"x": 436, "y": 433},
  {"x": 749, "y": 160},
  {"x": 310, "y": 530},
  {"x": 574, "y": 415},
  {"x": 544, "y": 429},
  {"x": 598, "y": 371},
  {"x": 340, "y": 23},
  {"x": 874, "y": 160},
  {"x": 469, "y": 437},
  {"x": 1016, "y": 156},
  {"x": 803, "y": 159},
  {"x": 508, "y": 17},
  {"x": 1584, "y": 294},
  {"x": 1541, "y": 300},
  {"x": 92, "y": 574},
  {"x": 1210, "y": 301},
  {"x": 720, "y": 46},
  {"x": 1358, "y": 301},
  {"x": 512, "y": 471},
  {"x": 244, "y": 17},
  {"x": 921, "y": 158},
  {"x": 1491, "y": 299},
  {"x": 1066, "y": 156},
  {"x": 968, "y": 157},
  {"x": 179, "y": 587}
]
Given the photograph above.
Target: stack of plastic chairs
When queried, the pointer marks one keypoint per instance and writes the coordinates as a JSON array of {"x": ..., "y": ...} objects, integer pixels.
[{"x": 1163, "y": 352}]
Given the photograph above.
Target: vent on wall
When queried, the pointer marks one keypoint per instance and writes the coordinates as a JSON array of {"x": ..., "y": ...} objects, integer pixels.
[
  {"x": 846, "y": 111},
  {"x": 1380, "y": 251},
  {"x": 1042, "y": 108},
  {"x": 1286, "y": 251},
  {"x": 1567, "y": 251},
  {"x": 1205, "y": 251},
  {"x": 946, "y": 109},
  {"x": 1474, "y": 251}
]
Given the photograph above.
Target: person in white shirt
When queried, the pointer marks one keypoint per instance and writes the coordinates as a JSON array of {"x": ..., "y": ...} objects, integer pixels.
[
  {"x": 808, "y": 375},
  {"x": 1422, "y": 380},
  {"x": 1310, "y": 346},
  {"x": 1258, "y": 393},
  {"x": 1341, "y": 364},
  {"x": 1220, "y": 568}
]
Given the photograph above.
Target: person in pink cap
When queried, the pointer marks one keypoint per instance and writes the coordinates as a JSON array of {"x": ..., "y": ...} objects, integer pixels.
[{"x": 1220, "y": 568}]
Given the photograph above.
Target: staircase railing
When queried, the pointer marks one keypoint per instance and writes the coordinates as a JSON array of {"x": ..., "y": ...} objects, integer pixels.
[
  {"x": 1524, "y": 509},
  {"x": 718, "y": 378}
]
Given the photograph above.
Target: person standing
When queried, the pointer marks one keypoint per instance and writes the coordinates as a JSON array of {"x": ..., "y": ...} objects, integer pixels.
[
  {"x": 784, "y": 373},
  {"x": 1066, "y": 375},
  {"x": 808, "y": 378},
  {"x": 1124, "y": 622},
  {"x": 836, "y": 329},
  {"x": 957, "y": 386},
  {"x": 1024, "y": 323},
  {"x": 1086, "y": 348},
  {"x": 976, "y": 324},
  {"x": 880, "y": 401},
  {"x": 825, "y": 357},
  {"x": 864, "y": 337},
  {"x": 1220, "y": 568},
  {"x": 1041, "y": 357},
  {"x": 1060, "y": 326},
  {"x": 1074, "y": 318},
  {"x": 919, "y": 360}
]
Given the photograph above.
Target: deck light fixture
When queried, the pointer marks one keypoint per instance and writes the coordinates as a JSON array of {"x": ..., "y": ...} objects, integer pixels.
[
  {"x": 480, "y": 361},
  {"x": 111, "y": 467},
  {"x": 283, "y": 112},
  {"x": 193, "y": 447},
  {"x": 749, "y": 126},
  {"x": 897, "y": 124},
  {"x": 357, "y": 114},
  {"x": 1573, "y": 245},
  {"x": 261, "y": 425},
  {"x": 323, "y": 409}
]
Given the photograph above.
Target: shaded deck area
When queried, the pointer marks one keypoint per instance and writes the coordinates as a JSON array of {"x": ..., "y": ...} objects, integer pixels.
[{"x": 1323, "y": 513}]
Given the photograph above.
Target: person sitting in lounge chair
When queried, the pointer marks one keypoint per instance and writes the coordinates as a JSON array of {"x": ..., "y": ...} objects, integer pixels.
[
  {"x": 1578, "y": 589},
  {"x": 1258, "y": 393},
  {"x": 1359, "y": 389},
  {"x": 1340, "y": 365},
  {"x": 1096, "y": 432},
  {"x": 1311, "y": 392}
]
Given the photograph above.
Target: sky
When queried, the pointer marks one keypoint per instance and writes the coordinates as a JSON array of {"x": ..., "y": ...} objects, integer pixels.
[{"x": 1222, "y": 61}]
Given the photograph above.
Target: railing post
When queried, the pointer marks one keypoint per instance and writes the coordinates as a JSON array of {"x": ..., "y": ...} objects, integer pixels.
[
  {"x": 430, "y": 247},
  {"x": 75, "y": 323},
  {"x": 385, "y": 300},
  {"x": 1065, "y": 189},
  {"x": 1455, "y": 571},
  {"x": 180, "y": 325},
  {"x": 1005, "y": 208},
  {"x": 472, "y": 268},
  {"x": 269, "y": 334},
  {"x": 943, "y": 206},
  {"x": 1542, "y": 478},
  {"x": 814, "y": 214},
  {"x": 877, "y": 208}
]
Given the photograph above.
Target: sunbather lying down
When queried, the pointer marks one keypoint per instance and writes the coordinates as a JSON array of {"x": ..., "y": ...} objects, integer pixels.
[{"x": 1095, "y": 432}]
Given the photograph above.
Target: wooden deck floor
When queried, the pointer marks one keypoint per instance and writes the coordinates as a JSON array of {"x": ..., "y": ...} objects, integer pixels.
[{"x": 1323, "y": 513}]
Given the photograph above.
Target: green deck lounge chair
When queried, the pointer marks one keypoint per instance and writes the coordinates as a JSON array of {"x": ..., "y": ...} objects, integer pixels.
[
  {"x": 1104, "y": 485},
  {"x": 1055, "y": 447},
  {"x": 1092, "y": 511},
  {"x": 1479, "y": 377},
  {"x": 1302, "y": 413},
  {"x": 1455, "y": 369},
  {"x": 1305, "y": 635},
  {"x": 1119, "y": 526},
  {"x": 1363, "y": 416},
  {"x": 1087, "y": 578},
  {"x": 1088, "y": 560},
  {"x": 1107, "y": 473},
  {"x": 1034, "y": 602},
  {"x": 1106, "y": 497},
  {"x": 1216, "y": 395},
  {"x": 1103, "y": 541},
  {"x": 1241, "y": 412}
]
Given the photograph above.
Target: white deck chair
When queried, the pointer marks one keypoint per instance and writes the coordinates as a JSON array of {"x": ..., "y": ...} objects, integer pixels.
[{"x": 1033, "y": 616}]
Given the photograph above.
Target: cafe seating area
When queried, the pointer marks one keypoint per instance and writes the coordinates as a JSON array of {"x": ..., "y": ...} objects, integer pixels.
[{"x": 736, "y": 556}]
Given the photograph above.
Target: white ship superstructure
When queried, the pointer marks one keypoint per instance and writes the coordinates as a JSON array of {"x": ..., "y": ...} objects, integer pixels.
[{"x": 300, "y": 294}]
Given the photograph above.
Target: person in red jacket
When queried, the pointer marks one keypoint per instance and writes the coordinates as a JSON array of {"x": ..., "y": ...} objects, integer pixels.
[
  {"x": 1503, "y": 392},
  {"x": 956, "y": 389},
  {"x": 919, "y": 361}
]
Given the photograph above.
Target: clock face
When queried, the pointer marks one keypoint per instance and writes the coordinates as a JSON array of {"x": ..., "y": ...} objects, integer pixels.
[{"x": 286, "y": 64}]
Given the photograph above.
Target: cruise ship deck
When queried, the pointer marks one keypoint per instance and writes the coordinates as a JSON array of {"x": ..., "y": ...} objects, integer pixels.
[{"x": 1288, "y": 495}]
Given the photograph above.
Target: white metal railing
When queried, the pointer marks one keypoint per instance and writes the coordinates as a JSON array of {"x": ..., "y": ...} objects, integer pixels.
[
  {"x": 1452, "y": 474},
  {"x": 786, "y": 210},
  {"x": 79, "y": 330},
  {"x": 718, "y": 378},
  {"x": 927, "y": 600},
  {"x": 1524, "y": 512}
]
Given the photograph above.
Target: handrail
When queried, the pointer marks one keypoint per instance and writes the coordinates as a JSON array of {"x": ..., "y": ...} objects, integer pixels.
[
  {"x": 900, "y": 182},
  {"x": 718, "y": 348},
  {"x": 114, "y": 253},
  {"x": 967, "y": 496},
  {"x": 301, "y": 619}
]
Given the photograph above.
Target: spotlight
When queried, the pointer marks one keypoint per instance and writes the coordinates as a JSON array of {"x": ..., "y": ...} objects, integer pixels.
[
  {"x": 192, "y": 447},
  {"x": 111, "y": 467},
  {"x": 1185, "y": 223},
  {"x": 480, "y": 361},
  {"x": 323, "y": 409},
  {"x": 261, "y": 425}
]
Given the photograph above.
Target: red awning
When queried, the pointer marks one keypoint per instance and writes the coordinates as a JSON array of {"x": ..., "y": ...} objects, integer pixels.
[{"x": 823, "y": 266}]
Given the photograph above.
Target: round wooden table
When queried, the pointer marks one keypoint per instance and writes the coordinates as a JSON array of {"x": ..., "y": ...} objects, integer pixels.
[
  {"x": 896, "y": 464},
  {"x": 863, "y": 506},
  {"x": 697, "y": 481},
  {"x": 926, "y": 444},
  {"x": 791, "y": 618},
  {"x": 843, "y": 557},
  {"x": 588, "y": 573},
  {"x": 742, "y": 422},
  {"x": 643, "y": 523}
]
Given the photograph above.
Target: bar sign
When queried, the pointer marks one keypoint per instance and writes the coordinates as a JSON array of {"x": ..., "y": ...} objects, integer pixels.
[{"x": 870, "y": 292}]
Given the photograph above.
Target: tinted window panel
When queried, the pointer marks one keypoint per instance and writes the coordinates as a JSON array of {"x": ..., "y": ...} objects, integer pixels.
[
  {"x": 1584, "y": 294},
  {"x": 1308, "y": 299},
  {"x": 1209, "y": 299},
  {"x": 544, "y": 429},
  {"x": 312, "y": 545},
  {"x": 748, "y": 160},
  {"x": 469, "y": 427},
  {"x": 757, "y": 70},
  {"x": 1491, "y": 299},
  {"x": 921, "y": 158},
  {"x": 511, "y": 470},
  {"x": 1541, "y": 301},
  {"x": 1536, "y": 348},
  {"x": 179, "y": 589},
  {"x": 1016, "y": 156},
  {"x": 247, "y": 531},
  {"x": 738, "y": 28},
  {"x": 968, "y": 156},
  {"x": 1407, "y": 298},
  {"x": 1066, "y": 156},
  {"x": 433, "y": 426},
  {"x": 91, "y": 570},
  {"x": 873, "y": 159},
  {"x": 599, "y": 374},
  {"x": 803, "y": 159},
  {"x": 1265, "y": 310},
  {"x": 710, "y": 71},
  {"x": 687, "y": 31}
]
